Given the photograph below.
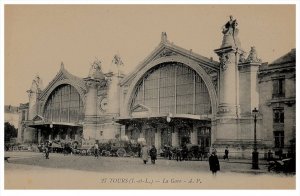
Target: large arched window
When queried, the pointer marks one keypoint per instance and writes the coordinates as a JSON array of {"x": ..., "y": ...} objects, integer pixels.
[
  {"x": 64, "y": 105},
  {"x": 173, "y": 88}
]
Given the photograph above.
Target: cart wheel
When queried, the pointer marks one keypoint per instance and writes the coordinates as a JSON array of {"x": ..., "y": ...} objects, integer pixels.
[
  {"x": 190, "y": 156},
  {"x": 130, "y": 154},
  {"x": 121, "y": 152}
]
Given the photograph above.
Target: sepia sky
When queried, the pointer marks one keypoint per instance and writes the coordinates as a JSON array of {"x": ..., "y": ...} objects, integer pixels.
[{"x": 39, "y": 37}]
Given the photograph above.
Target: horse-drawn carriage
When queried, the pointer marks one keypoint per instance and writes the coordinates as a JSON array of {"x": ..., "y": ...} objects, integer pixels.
[
  {"x": 122, "y": 148},
  {"x": 114, "y": 148},
  {"x": 186, "y": 152},
  {"x": 196, "y": 152}
]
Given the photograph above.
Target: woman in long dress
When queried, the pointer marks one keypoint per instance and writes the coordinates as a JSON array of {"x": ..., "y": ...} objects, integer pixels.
[{"x": 145, "y": 154}]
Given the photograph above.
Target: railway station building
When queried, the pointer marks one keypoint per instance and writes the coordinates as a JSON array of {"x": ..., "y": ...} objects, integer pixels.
[{"x": 173, "y": 97}]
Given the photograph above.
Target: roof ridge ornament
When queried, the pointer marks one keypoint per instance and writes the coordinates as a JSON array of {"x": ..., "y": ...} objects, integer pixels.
[
  {"x": 62, "y": 66},
  {"x": 95, "y": 70},
  {"x": 252, "y": 57},
  {"x": 164, "y": 37}
]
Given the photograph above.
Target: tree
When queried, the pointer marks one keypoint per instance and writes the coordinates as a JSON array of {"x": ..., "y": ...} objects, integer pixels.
[{"x": 9, "y": 131}]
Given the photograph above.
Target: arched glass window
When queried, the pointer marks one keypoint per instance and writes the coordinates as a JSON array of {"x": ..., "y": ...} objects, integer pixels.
[
  {"x": 64, "y": 105},
  {"x": 173, "y": 88}
]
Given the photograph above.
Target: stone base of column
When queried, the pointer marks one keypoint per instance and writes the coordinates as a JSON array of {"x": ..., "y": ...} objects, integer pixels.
[
  {"x": 237, "y": 135},
  {"x": 30, "y": 135},
  {"x": 89, "y": 131},
  {"x": 227, "y": 110},
  {"x": 194, "y": 139},
  {"x": 158, "y": 139},
  {"x": 175, "y": 142},
  {"x": 240, "y": 149},
  {"x": 108, "y": 131}
]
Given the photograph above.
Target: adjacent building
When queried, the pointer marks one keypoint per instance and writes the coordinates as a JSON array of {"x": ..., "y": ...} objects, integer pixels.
[{"x": 277, "y": 90}]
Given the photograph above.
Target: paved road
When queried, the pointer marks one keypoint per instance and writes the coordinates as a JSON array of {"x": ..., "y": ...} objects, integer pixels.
[{"x": 32, "y": 170}]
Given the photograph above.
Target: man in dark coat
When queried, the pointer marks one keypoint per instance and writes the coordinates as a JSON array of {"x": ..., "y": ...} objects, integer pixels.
[
  {"x": 214, "y": 163},
  {"x": 47, "y": 150},
  {"x": 153, "y": 154},
  {"x": 226, "y": 153}
]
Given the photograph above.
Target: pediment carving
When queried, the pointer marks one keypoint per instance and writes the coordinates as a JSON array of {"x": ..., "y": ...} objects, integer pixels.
[
  {"x": 140, "y": 108},
  {"x": 38, "y": 118},
  {"x": 165, "y": 53}
]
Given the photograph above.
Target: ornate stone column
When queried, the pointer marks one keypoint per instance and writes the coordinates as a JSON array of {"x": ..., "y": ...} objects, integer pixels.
[
  {"x": 229, "y": 54},
  {"x": 90, "y": 120},
  {"x": 175, "y": 141},
  {"x": 229, "y": 81},
  {"x": 194, "y": 135},
  {"x": 142, "y": 133},
  {"x": 39, "y": 136},
  {"x": 157, "y": 138},
  {"x": 92, "y": 82},
  {"x": 248, "y": 69}
]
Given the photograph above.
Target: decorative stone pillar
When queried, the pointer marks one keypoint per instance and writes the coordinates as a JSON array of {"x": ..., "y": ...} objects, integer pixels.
[
  {"x": 175, "y": 141},
  {"x": 92, "y": 82},
  {"x": 67, "y": 134},
  {"x": 39, "y": 136},
  {"x": 113, "y": 107},
  {"x": 157, "y": 138},
  {"x": 194, "y": 136},
  {"x": 90, "y": 124},
  {"x": 229, "y": 54},
  {"x": 248, "y": 69},
  {"x": 229, "y": 81},
  {"x": 123, "y": 129},
  {"x": 142, "y": 133}
]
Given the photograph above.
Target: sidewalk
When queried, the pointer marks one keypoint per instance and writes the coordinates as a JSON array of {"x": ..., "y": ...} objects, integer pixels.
[
  {"x": 245, "y": 166},
  {"x": 237, "y": 165}
]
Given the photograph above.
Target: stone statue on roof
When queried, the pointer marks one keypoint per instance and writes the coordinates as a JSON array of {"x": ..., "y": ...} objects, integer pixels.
[
  {"x": 95, "y": 70},
  {"x": 230, "y": 32}
]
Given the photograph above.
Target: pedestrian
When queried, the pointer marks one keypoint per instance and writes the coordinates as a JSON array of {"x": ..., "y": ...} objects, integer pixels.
[
  {"x": 184, "y": 152},
  {"x": 96, "y": 149},
  {"x": 153, "y": 154},
  {"x": 214, "y": 163},
  {"x": 280, "y": 154},
  {"x": 226, "y": 153},
  {"x": 178, "y": 154},
  {"x": 270, "y": 156},
  {"x": 144, "y": 153},
  {"x": 47, "y": 150},
  {"x": 65, "y": 148},
  {"x": 139, "y": 150}
]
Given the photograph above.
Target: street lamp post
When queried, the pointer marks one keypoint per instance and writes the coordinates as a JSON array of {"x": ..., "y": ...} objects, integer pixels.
[{"x": 255, "y": 152}]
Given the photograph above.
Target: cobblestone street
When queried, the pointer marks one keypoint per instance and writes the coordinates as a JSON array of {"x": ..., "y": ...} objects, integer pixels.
[{"x": 32, "y": 170}]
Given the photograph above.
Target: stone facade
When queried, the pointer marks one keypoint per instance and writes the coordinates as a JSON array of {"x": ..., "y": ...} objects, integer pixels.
[
  {"x": 174, "y": 97},
  {"x": 277, "y": 90}
]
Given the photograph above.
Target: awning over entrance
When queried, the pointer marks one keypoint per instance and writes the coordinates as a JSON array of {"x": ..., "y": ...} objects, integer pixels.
[
  {"x": 178, "y": 119},
  {"x": 171, "y": 130},
  {"x": 40, "y": 122},
  {"x": 35, "y": 124}
]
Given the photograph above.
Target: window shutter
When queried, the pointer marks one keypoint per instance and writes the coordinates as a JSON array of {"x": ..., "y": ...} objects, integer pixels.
[
  {"x": 275, "y": 87},
  {"x": 282, "y": 117},
  {"x": 282, "y": 86}
]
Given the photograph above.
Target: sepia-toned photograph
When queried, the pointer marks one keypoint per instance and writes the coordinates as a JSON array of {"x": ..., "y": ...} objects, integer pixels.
[{"x": 150, "y": 97}]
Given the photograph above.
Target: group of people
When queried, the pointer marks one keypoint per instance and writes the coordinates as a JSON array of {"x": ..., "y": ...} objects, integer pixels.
[
  {"x": 213, "y": 158},
  {"x": 46, "y": 147},
  {"x": 145, "y": 152}
]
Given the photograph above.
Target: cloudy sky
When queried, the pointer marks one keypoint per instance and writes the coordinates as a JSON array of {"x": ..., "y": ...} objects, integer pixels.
[{"x": 39, "y": 37}]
